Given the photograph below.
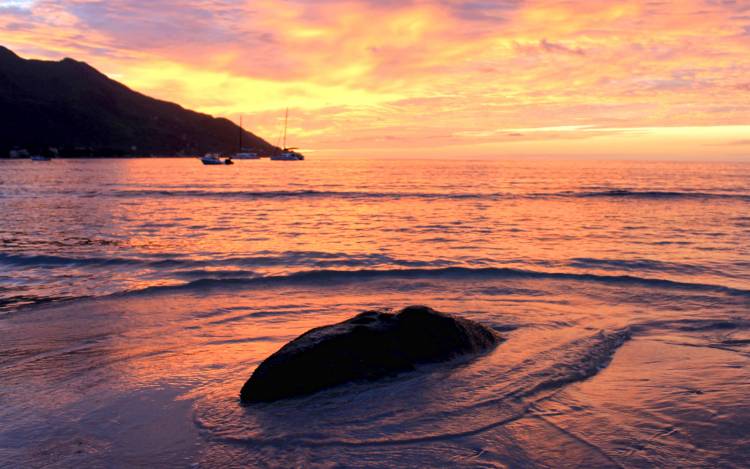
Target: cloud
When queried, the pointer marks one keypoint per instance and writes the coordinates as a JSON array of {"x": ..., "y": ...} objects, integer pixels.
[
  {"x": 413, "y": 69},
  {"x": 492, "y": 11},
  {"x": 25, "y": 4},
  {"x": 553, "y": 47}
]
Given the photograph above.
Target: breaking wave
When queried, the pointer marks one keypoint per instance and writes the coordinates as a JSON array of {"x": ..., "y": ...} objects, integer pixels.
[
  {"x": 450, "y": 273},
  {"x": 297, "y": 194}
]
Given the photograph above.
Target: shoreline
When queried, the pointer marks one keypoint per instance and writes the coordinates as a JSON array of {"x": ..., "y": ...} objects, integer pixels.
[{"x": 122, "y": 369}]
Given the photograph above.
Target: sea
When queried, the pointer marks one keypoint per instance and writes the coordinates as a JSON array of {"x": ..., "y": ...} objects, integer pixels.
[{"x": 138, "y": 295}]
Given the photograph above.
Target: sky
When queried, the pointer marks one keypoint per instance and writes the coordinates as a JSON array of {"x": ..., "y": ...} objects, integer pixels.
[{"x": 444, "y": 78}]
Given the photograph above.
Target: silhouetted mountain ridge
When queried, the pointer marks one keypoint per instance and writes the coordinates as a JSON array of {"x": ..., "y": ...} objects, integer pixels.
[{"x": 69, "y": 104}]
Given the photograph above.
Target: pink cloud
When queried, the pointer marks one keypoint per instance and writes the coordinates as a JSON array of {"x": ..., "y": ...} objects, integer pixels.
[{"x": 413, "y": 69}]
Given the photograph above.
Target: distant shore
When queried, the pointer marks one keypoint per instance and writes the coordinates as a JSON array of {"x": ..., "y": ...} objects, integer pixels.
[{"x": 99, "y": 157}]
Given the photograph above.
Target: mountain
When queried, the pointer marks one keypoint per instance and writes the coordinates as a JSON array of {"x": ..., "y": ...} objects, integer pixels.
[{"x": 72, "y": 106}]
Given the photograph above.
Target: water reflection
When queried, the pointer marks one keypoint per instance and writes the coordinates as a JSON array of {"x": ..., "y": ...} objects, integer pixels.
[
  {"x": 566, "y": 259},
  {"x": 184, "y": 354}
]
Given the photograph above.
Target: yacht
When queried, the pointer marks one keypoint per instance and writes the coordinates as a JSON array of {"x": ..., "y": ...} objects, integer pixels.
[
  {"x": 242, "y": 154},
  {"x": 287, "y": 154}
]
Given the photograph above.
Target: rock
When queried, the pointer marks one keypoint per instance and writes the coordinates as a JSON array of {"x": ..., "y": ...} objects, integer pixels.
[{"x": 370, "y": 346}]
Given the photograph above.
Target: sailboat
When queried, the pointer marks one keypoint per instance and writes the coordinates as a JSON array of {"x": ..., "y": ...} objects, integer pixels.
[
  {"x": 287, "y": 154},
  {"x": 245, "y": 155}
]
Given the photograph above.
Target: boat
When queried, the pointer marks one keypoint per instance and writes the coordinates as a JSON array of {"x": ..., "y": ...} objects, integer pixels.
[
  {"x": 211, "y": 158},
  {"x": 40, "y": 158},
  {"x": 19, "y": 153},
  {"x": 242, "y": 154},
  {"x": 287, "y": 154}
]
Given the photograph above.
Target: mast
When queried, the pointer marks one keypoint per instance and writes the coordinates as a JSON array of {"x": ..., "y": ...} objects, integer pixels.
[
  {"x": 286, "y": 120},
  {"x": 240, "y": 150}
]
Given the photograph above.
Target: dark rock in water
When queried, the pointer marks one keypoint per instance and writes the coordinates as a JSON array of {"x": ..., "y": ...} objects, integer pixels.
[{"x": 369, "y": 346}]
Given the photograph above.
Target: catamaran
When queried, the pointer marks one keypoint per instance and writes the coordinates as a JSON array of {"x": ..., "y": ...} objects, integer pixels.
[{"x": 287, "y": 154}]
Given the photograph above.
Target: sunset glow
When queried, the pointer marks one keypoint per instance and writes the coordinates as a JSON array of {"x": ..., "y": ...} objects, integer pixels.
[{"x": 432, "y": 77}]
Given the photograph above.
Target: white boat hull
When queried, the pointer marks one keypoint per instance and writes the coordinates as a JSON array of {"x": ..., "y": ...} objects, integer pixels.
[{"x": 211, "y": 159}]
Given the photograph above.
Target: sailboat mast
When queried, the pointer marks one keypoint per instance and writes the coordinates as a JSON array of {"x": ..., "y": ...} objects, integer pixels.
[
  {"x": 286, "y": 120},
  {"x": 241, "y": 130}
]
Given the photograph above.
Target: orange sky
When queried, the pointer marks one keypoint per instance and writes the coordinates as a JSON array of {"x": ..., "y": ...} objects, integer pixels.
[{"x": 564, "y": 78}]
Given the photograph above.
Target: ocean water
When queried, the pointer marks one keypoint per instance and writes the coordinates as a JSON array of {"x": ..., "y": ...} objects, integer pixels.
[{"x": 137, "y": 296}]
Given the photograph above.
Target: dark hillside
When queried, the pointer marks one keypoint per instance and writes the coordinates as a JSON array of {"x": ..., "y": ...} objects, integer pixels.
[{"x": 69, "y": 104}]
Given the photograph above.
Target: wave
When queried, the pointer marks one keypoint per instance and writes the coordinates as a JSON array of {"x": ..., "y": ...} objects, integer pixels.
[
  {"x": 12, "y": 303},
  {"x": 577, "y": 361},
  {"x": 286, "y": 194},
  {"x": 23, "y": 260},
  {"x": 342, "y": 267},
  {"x": 290, "y": 258},
  {"x": 694, "y": 325},
  {"x": 599, "y": 351},
  {"x": 452, "y": 273},
  {"x": 194, "y": 268},
  {"x": 626, "y": 193},
  {"x": 294, "y": 260},
  {"x": 616, "y": 193},
  {"x": 320, "y": 268},
  {"x": 643, "y": 265}
]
